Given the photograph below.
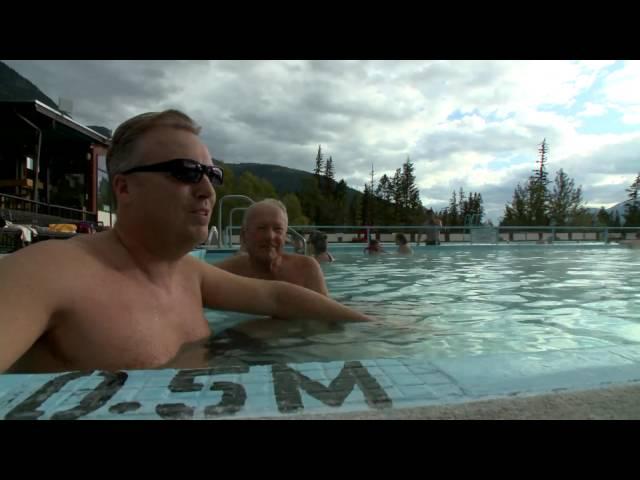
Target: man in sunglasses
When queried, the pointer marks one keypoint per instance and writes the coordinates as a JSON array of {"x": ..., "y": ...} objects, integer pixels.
[
  {"x": 131, "y": 297},
  {"x": 263, "y": 236}
]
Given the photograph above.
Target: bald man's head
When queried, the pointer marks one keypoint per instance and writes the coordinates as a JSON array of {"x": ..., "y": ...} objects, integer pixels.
[{"x": 264, "y": 230}]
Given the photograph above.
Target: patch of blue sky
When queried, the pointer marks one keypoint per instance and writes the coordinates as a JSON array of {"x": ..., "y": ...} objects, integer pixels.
[
  {"x": 590, "y": 95},
  {"x": 492, "y": 117},
  {"x": 609, "y": 122},
  {"x": 504, "y": 161},
  {"x": 457, "y": 115}
]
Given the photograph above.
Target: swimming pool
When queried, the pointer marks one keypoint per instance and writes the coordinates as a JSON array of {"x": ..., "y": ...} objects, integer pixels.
[
  {"x": 463, "y": 301},
  {"x": 454, "y": 323}
]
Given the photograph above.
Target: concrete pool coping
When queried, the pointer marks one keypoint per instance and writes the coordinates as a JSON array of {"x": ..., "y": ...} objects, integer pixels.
[
  {"x": 509, "y": 385},
  {"x": 620, "y": 402}
]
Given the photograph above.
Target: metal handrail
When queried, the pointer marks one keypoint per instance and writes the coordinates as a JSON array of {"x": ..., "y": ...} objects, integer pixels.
[
  {"x": 301, "y": 237},
  {"x": 604, "y": 232},
  {"x": 13, "y": 197},
  {"x": 244, "y": 197},
  {"x": 426, "y": 227},
  {"x": 62, "y": 211},
  {"x": 230, "y": 225}
]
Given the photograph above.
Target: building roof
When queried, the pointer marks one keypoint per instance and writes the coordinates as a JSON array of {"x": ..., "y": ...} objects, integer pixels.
[{"x": 41, "y": 115}]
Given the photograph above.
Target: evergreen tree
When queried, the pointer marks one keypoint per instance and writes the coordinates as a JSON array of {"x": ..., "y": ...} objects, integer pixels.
[
  {"x": 467, "y": 207},
  {"x": 444, "y": 216},
  {"x": 633, "y": 189},
  {"x": 453, "y": 210},
  {"x": 384, "y": 190},
  {"x": 341, "y": 189},
  {"x": 355, "y": 210},
  {"x": 410, "y": 196},
  {"x": 632, "y": 208},
  {"x": 255, "y": 187},
  {"x": 367, "y": 198},
  {"x": 616, "y": 220},
  {"x": 328, "y": 171},
  {"x": 396, "y": 190},
  {"x": 537, "y": 198},
  {"x": 516, "y": 214},
  {"x": 319, "y": 170},
  {"x": 373, "y": 207},
  {"x": 294, "y": 210},
  {"x": 537, "y": 192},
  {"x": 565, "y": 202},
  {"x": 603, "y": 217},
  {"x": 478, "y": 208},
  {"x": 414, "y": 203},
  {"x": 312, "y": 201},
  {"x": 540, "y": 173},
  {"x": 340, "y": 206},
  {"x": 460, "y": 206}
]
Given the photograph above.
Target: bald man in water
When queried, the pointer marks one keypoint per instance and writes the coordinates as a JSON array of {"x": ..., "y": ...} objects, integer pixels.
[{"x": 263, "y": 236}]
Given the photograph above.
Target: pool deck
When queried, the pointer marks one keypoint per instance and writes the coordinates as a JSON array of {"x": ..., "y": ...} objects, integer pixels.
[
  {"x": 612, "y": 403},
  {"x": 600, "y": 382}
]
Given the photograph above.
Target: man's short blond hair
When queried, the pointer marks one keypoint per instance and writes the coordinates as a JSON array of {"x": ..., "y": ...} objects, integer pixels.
[
  {"x": 126, "y": 136},
  {"x": 273, "y": 202}
]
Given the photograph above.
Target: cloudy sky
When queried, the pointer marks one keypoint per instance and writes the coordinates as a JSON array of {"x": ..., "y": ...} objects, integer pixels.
[{"x": 469, "y": 124}]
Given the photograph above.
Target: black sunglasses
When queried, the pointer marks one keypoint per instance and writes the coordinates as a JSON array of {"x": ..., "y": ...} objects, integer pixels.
[{"x": 183, "y": 169}]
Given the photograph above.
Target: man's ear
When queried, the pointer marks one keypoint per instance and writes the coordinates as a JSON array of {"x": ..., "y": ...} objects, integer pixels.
[{"x": 121, "y": 188}]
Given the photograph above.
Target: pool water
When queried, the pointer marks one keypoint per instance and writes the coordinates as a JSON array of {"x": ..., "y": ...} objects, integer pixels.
[
  {"x": 454, "y": 323},
  {"x": 456, "y": 301}
]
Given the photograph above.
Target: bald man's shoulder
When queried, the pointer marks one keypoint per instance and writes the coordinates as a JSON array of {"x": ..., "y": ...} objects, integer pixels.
[
  {"x": 308, "y": 273},
  {"x": 305, "y": 265},
  {"x": 298, "y": 258},
  {"x": 237, "y": 264}
]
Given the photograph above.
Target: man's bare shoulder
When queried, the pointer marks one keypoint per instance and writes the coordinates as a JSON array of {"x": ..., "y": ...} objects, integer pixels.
[
  {"x": 42, "y": 255},
  {"x": 63, "y": 258},
  {"x": 306, "y": 271},
  {"x": 55, "y": 271},
  {"x": 304, "y": 265},
  {"x": 301, "y": 261},
  {"x": 234, "y": 264}
]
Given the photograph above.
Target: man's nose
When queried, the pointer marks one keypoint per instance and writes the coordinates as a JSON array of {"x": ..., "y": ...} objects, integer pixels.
[{"x": 204, "y": 188}]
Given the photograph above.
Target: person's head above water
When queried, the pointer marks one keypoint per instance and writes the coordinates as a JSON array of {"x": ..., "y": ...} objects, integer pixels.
[
  {"x": 264, "y": 230},
  {"x": 319, "y": 242},
  {"x": 401, "y": 239},
  {"x": 374, "y": 246},
  {"x": 162, "y": 177}
]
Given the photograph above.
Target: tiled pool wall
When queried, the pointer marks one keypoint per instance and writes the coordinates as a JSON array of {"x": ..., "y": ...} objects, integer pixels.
[{"x": 231, "y": 390}]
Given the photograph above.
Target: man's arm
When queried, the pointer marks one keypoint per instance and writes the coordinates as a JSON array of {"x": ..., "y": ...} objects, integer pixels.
[
  {"x": 29, "y": 285},
  {"x": 225, "y": 291},
  {"x": 313, "y": 275}
]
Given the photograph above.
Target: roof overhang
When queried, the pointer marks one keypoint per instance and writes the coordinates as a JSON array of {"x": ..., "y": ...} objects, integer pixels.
[{"x": 36, "y": 111}]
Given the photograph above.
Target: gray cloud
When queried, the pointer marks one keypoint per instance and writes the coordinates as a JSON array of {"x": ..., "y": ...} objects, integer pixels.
[
  {"x": 107, "y": 92},
  {"x": 362, "y": 112},
  {"x": 622, "y": 158}
]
